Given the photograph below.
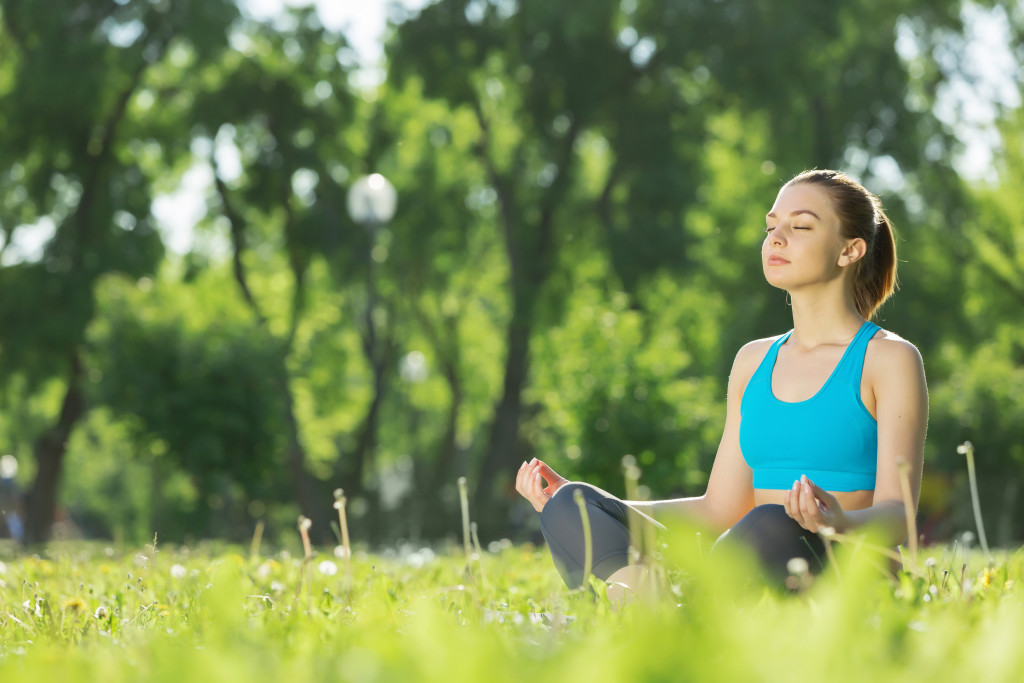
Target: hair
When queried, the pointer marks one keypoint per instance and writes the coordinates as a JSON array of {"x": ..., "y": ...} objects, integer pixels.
[{"x": 861, "y": 216}]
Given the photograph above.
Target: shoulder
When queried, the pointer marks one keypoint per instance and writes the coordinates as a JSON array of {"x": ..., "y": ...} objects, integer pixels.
[
  {"x": 894, "y": 366},
  {"x": 748, "y": 358},
  {"x": 887, "y": 351}
]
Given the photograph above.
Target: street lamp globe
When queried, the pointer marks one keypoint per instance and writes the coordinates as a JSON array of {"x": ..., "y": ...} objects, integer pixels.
[{"x": 372, "y": 200}]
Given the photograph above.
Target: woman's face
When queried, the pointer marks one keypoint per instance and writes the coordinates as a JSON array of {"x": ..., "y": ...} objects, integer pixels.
[{"x": 802, "y": 244}]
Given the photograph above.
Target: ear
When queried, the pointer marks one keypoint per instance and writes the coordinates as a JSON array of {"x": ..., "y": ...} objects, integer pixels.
[{"x": 854, "y": 251}]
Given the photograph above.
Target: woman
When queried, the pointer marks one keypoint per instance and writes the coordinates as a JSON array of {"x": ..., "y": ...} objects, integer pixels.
[{"x": 818, "y": 420}]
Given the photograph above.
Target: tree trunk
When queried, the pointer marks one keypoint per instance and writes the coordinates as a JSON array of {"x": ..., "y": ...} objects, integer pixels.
[
  {"x": 41, "y": 500},
  {"x": 503, "y": 453}
]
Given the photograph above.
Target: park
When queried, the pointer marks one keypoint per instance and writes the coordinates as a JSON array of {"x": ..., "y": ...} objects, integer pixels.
[{"x": 282, "y": 314}]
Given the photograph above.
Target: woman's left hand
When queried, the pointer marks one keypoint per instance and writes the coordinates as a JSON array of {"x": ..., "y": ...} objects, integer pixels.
[{"x": 813, "y": 507}]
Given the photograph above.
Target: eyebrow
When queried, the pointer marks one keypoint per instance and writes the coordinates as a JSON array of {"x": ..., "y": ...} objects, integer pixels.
[{"x": 771, "y": 214}]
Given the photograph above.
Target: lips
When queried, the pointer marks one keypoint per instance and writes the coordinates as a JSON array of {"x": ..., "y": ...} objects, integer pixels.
[{"x": 777, "y": 261}]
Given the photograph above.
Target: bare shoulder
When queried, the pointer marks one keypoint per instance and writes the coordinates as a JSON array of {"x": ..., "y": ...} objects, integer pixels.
[
  {"x": 893, "y": 361},
  {"x": 890, "y": 352},
  {"x": 748, "y": 358}
]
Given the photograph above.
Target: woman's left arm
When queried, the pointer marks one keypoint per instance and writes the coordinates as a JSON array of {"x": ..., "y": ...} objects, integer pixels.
[{"x": 901, "y": 405}]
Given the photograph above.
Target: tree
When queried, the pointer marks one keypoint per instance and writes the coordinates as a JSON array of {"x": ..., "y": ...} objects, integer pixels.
[{"x": 74, "y": 135}]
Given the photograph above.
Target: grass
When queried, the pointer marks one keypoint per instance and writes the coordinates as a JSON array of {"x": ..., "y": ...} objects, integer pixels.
[{"x": 83, "y": 612}]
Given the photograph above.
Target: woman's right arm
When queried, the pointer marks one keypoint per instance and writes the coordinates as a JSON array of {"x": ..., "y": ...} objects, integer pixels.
[{"x": 730, "y": 491}]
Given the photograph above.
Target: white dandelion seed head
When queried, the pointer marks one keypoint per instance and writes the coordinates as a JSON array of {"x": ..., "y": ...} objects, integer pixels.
[
  {"x": 178, "y": 571},
  {"x": 826, "y": 531},
  {"x": 340, "y": 552},
  {"x": 328, "y": 568},
  {"x": 797, "y": 566}
]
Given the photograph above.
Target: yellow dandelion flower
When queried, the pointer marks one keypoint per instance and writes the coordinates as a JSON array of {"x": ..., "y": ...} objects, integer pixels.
[{"x": 75, "y": 604}]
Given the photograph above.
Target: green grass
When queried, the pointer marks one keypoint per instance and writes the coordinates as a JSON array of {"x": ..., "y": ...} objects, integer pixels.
[{"x": 84, "y": 613}]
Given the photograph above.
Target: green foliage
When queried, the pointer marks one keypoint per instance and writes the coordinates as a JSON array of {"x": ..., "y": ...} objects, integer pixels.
[
  {"x": 574, "y": 256},
  {"x": 189, "y": 368}
]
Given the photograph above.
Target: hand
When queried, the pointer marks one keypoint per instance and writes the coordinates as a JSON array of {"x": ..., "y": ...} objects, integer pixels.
[
  {"x": 813, "y": 507},
  {"x": 530, "y": 486}
]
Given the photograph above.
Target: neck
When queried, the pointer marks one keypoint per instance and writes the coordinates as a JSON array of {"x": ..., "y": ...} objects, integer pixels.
[{"x": 824, "y": 318}]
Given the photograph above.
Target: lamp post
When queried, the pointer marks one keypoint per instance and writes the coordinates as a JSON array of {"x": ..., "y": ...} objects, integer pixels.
[{"x": 371, "y": 203}]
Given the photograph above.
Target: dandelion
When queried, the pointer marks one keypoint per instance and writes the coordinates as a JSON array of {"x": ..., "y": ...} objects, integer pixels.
[
  {"x": 178, "y": 571},
  {"x": 75, "y": 604},
  {"x": 328, "y": 568},
  {"x": 341, "y": 552},
  {"x": 797, "y": 566}
]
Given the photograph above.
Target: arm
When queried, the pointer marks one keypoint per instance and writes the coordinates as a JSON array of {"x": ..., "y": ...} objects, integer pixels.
[
  {"x": 730, "y": 492},
  {"x": 901, "y": 404}
]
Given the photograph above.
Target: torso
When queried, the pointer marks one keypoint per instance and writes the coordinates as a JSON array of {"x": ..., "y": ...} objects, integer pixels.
[{"x": 797, "y": 376}]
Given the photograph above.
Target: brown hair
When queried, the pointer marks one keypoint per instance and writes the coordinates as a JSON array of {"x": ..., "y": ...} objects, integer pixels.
[{"x": 861, "y": 215}]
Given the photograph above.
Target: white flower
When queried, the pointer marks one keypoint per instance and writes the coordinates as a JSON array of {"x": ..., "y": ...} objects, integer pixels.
[
  {"x": 101, "y": 612},
  {"x": 340, "y": 552},
  {"x": 178, "y": 571},
  {"x": 797, "y": 566},
  {"x": 3, "y": 568},
  {"x": 328, "y": 568},
  {"x": 276, "y": 587}
]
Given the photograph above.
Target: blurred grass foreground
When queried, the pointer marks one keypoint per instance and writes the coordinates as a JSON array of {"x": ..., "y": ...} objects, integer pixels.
[{"x": 85, "y": 613}]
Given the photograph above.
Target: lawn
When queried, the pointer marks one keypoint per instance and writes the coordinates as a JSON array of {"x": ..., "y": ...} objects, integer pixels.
[{"x": 91, "y": 613}]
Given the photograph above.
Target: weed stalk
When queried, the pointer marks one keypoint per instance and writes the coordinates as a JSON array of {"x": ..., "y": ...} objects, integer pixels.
[
  {"x": 339, "y": 505},
  {"x": 588, "y": 544},
  {"x": 464, "y": 501},
  {"x": 967, "y": 449},
  {"x": 908, "y": 508}
]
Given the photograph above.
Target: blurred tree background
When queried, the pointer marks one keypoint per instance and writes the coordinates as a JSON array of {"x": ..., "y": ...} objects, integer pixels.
[{"x": 573, "y": 264}]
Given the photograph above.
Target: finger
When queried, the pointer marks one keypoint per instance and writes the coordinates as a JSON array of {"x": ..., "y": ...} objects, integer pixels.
[
  {"x": 821, "y": 494},
  {"x": 792, "y": 500},
  {"x": 523, "y": 478},
  {"x": 549, "y": 474},
  {"x": 797, "y": 498},
  {"x": 537, "y": 486},
  {"x": 519, "y": 477},
  {"x": 809, "y": 507}
]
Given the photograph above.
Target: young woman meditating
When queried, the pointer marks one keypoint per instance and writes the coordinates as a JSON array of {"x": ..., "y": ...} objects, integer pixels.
[{"x": 817, "y": 419}]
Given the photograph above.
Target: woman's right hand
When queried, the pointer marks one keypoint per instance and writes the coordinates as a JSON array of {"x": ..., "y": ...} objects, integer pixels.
[{"x": 530, "y": 485}]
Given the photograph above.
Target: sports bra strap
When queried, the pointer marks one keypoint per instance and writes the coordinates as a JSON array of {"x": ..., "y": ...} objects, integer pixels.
[{"x": 851, "y": 367}]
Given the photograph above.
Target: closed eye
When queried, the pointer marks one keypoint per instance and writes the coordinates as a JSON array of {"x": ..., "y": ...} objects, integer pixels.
[{"x": 769, "y": 228}]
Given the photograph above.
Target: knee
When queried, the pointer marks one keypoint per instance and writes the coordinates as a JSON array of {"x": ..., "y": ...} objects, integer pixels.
[{"x": 564, "y": 498}]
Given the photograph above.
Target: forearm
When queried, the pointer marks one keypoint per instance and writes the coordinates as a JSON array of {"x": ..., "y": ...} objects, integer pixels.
[
  {"x": 695, "y": 510},
  {"x": 888, "y": 517}
]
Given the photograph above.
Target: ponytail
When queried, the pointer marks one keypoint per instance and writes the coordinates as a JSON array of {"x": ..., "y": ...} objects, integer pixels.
[{"x": 874, "y": 281}]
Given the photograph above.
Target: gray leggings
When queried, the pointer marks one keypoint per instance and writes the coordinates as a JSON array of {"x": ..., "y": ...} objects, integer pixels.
[{"x": 767, "y": 529}]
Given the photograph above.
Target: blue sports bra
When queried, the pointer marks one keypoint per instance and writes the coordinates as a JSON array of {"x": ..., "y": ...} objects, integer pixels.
[{"x": 831, "y": 437}]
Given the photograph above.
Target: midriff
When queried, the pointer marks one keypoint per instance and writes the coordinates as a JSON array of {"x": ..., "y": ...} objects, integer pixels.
[{"x": 849, "y": 500}]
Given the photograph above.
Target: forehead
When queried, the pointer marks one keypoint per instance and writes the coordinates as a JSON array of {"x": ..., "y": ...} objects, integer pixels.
[{"x": 803, "y": 197}]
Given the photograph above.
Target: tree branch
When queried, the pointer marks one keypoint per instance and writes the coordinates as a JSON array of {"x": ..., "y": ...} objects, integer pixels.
[{"x": 237, "y": 241}]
